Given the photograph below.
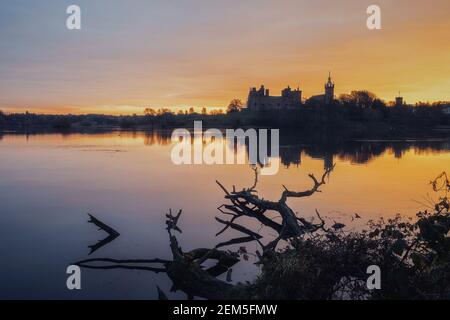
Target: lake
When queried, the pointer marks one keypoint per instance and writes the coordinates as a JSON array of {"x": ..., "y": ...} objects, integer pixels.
[{"x": 50, "y": 182}]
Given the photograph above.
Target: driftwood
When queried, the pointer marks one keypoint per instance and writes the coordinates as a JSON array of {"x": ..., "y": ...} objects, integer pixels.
[
  {"x": 112, "y": 234},
  {"x": 247, "y": 203},
  {"x": 186, "y": 270},
  {"x": 131, "y": 264}
]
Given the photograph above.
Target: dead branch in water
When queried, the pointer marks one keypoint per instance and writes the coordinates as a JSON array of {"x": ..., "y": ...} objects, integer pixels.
[
  {"x": 134, "y": 264},
  {"x": 112, "y": 234},
  {"x": 246, "y": 203},
  {"x": 185, "y": 269},
  {"x": 318, "y": 263}
]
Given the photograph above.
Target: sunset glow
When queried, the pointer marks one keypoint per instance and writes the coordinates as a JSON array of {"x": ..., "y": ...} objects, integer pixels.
[{"x": 204, "y": 53}]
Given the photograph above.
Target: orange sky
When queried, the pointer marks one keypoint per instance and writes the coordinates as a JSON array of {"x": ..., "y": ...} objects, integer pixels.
[{"x": 196, "y": 53}]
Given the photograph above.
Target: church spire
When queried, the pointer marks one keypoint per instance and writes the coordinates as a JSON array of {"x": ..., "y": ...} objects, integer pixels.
[
  {"x": 329, "y": 83},
  {"x": 329, "y": 90},
  {"x": 329, "y": 78}
]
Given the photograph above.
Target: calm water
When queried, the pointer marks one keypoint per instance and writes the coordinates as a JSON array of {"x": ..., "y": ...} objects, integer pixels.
[{"x": 48, "y": 184}]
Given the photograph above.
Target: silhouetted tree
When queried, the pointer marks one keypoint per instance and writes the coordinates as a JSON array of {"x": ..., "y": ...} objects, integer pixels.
[
  {"x": 2, "y": 118},
  {"x": 164, "y": 111},
  {"x": 363, "y": 98},
  {"x": 235, "y": 105},
  {"x": 346, "y": 98},
  {"x": 149, "y": 112},
  {"x": 378, "y": 104},
  {"x": 216, "y": 112}
]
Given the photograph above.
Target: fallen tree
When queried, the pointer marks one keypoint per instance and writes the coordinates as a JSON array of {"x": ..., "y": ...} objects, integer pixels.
[{"x": 315, "y": 261}]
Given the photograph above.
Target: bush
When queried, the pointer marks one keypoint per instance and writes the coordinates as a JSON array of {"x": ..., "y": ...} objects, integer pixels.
[{"x": 414, "y": 258}]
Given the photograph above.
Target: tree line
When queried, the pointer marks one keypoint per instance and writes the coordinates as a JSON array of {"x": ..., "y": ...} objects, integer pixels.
[{"x": 359, "y": 112}]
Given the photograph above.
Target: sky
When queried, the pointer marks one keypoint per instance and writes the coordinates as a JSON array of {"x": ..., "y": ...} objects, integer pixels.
[{"x": 130, "y": 55}]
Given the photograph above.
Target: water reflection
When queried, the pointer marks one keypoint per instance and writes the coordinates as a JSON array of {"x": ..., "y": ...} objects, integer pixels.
[
  {"x": 294, "y": 147},
  {"x": 358, "y": 152},
  {"x": 49, "y": 183},
  {"x": 112, "y": 234}
]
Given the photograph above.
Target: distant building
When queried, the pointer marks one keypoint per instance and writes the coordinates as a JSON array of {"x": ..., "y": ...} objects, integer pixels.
[
  {"x": 398, "y": 101},
  {"x": 326, "y": 98},
  {"x": 329, "y": 90},
  {"x": 262, "y": 100}
]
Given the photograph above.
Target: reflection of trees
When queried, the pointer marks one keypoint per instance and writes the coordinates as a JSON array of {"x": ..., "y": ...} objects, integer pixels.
[
  {"x": 293, "y": 146},
  {"x": 360, "y": 152},
  {"x": 160, "y": 138},
  {"x": 290, "y": 155}
]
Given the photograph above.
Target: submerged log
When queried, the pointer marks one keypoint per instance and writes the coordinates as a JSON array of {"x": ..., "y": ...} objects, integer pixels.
[{"x": 112, "y": 234}]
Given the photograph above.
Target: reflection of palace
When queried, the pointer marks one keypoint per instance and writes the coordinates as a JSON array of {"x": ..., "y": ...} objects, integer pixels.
[
  {"x": 293, "y": 156},
  {"x": 291, "y": 151},
  {"x": 293, "y": 148}
]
